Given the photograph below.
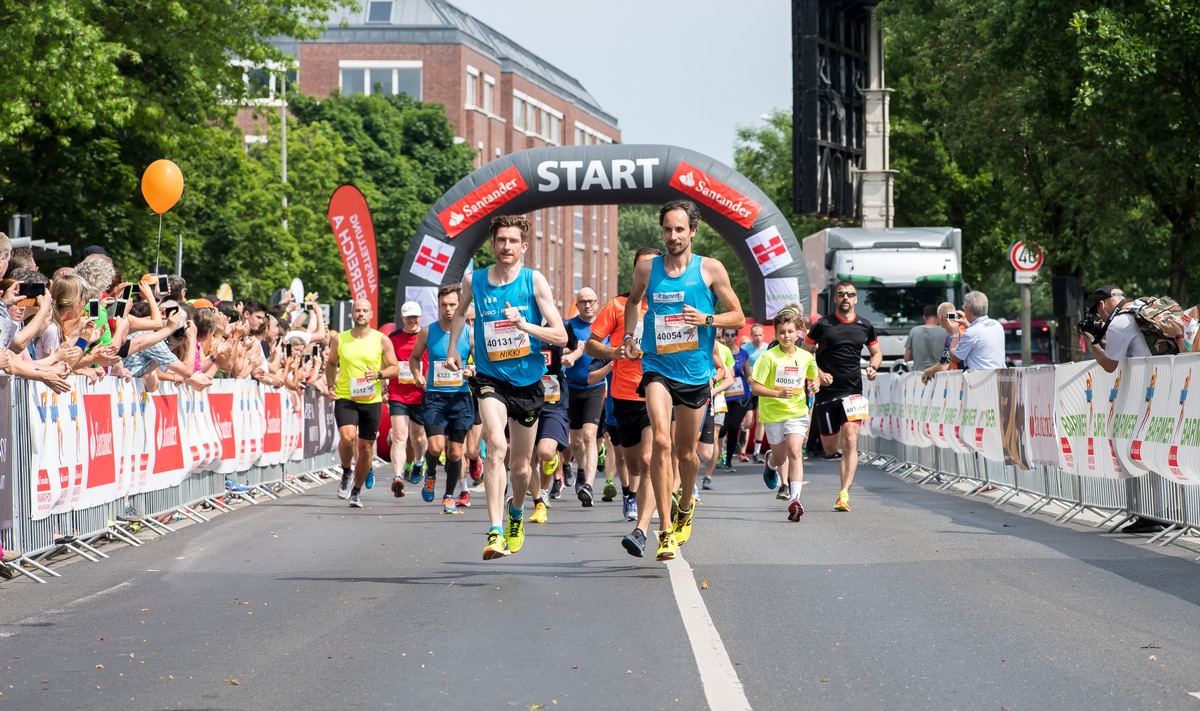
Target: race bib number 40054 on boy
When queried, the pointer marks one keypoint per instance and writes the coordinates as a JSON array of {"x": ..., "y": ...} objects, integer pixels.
[{"x": 504, "y": 340}]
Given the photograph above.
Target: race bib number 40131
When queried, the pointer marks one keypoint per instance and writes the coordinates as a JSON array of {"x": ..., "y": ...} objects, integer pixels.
[{"x": 504, "y": 340}]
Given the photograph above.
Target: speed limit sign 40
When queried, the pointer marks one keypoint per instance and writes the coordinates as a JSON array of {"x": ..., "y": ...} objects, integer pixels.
[{"x": 1025, "y": 257}]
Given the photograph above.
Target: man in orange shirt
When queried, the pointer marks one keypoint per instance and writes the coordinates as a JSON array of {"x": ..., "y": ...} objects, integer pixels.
[{"x": 632, "y": 437}]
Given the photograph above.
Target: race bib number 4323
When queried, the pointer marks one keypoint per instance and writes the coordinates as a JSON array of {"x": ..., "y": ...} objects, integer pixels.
[{"x": 504, "y": 340}]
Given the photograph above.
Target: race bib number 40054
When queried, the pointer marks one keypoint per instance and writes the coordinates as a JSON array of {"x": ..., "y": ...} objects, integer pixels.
[
  {"x": 504, "y": 340},
  {"x": 672, "y": 334}
]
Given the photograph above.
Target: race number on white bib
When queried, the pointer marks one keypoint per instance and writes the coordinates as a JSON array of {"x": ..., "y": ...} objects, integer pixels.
[
  {"x": 405, "y": 376},
  {"x": 551, "y": 388},
  {"x": 719, "y": 404},
  {"x": 504, "y": 340},
  {"x": 362, "y": 389},
  {"x": 443, "y": 377},
  {"x": 857, "y": 408},
  {"x": 787, "y": 376},
  {"x": 672, "y": 335},
  {"x": 735, "y": 390}
]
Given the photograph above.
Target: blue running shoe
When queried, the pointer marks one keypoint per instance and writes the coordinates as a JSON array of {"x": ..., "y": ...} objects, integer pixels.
[
  {"x": 233, "y": 487},
  {"x": 371, "y": 478},
  {"x": 427, "y": 490},
  {"x": 416, "y": 473},
  {"x": 630, "y": 506},
  {"x": 770, "y": 477}
]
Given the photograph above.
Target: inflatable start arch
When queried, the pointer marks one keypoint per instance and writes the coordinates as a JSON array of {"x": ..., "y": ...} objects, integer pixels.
[{"x": 457, "y": 226}]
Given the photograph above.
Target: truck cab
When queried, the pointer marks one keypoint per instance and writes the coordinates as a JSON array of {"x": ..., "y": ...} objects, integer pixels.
[{"x": 896, "y": 272}]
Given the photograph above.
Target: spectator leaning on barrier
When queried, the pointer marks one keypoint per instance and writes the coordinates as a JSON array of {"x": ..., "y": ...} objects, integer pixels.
[
  {"x": 924, "y": 344},
  {"x": 1122, "y": 337},
  {"x": 981, "y": 345}
]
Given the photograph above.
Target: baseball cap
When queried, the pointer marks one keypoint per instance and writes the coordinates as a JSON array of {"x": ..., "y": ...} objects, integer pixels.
[
  {"x": 410, "y": 308},
  {"x": 202, "y": 304},
  {"x": 94, "y": 249},
  {"x": 1105, "y": 292}
]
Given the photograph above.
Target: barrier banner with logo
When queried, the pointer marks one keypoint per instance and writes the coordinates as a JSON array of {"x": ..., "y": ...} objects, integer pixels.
[
  {"x": 956, "y": 398},
  {"x": 1156, "y": 441},
  {"x": 6, "y": 453},
  {"x": 1182, "y": 461},
  {"x": 1139, "y": 383},
  {"x": 936, "y": 428},
  {"x": 1009, "y": 384},
  {"x": 1038, "y": 394},
  {"x": 981, "y": 427},
  {"x": 1084, "y": 410},
  {"x": 354, "y": 232},
  {"x": 926, "y": 409}
]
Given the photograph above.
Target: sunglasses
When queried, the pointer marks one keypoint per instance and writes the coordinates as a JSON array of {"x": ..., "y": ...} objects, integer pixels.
[{"x": 849, "y": 294}]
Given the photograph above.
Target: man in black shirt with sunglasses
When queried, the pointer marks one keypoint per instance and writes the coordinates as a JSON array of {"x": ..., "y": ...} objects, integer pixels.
[{"x": 837, "y": 341}]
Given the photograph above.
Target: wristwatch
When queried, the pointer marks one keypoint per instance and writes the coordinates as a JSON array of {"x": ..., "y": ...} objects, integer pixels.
[{"x": 708, "y": 320}]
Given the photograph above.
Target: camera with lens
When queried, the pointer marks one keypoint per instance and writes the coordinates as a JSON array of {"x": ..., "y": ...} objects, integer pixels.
[{"x": 1093, "y": 325}]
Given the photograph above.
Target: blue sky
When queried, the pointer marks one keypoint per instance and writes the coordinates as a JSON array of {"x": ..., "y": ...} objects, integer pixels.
[{"x": 674, "y": 72}]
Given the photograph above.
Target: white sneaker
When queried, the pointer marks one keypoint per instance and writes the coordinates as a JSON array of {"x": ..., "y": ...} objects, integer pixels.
[
  {"x": 343, "y": 491},
  {"x": 355, "y": 501}
]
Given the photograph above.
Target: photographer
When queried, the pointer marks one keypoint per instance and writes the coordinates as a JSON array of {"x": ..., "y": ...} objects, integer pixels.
[{"x": 1117, "y": 328}]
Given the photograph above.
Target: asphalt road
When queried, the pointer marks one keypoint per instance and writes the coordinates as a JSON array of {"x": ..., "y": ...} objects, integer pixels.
[{"x": 916, "y": 599}]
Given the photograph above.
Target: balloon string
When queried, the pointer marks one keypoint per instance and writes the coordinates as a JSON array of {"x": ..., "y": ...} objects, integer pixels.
[{"x": 158, "y": 255}]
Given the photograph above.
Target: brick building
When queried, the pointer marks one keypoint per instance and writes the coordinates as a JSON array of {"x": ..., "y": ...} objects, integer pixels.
[{"x": 500, "y": 97}]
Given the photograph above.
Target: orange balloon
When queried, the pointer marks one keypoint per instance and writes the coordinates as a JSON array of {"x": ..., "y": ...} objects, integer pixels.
[{"x": 162, "y": 184}]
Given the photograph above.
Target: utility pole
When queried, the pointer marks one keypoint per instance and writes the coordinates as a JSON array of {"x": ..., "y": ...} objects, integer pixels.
[{"x": 283, "y": 138}]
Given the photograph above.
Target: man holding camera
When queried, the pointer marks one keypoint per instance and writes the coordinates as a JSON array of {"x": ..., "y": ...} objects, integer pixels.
[{"x": 1122, "y": 337}]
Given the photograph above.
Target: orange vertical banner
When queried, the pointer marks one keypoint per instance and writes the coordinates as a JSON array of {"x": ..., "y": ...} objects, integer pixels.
[{"x": 350, "y": 218}]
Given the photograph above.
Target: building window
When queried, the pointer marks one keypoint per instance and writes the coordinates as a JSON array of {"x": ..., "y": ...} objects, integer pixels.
[
  {"x": 518, "y": 114},
  {"x": 578, "y": 269},
  {"x": 537, "y": 223},
  {"x": 472, "y": 88},
  {"x": 380, "y": 77},
  {"x": 489, "y": 88},
  {"x": 551, "y": 219},
  {"x": 555, "y": 129},
  {"x": 379, "y": 11},
  {"x": 578, "y": 226}
]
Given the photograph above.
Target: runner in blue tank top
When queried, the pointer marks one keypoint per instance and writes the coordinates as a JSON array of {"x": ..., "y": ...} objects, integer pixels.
[
  {"x": 511, "y": 304},
  {"x": 448, "y": 408},
  {"x": 681, "y": 291}
]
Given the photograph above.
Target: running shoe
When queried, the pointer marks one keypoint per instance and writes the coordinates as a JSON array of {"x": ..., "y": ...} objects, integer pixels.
[
  {"x": 667, "y": 547},
  {"x": 630, "y": 508},
  {"x": 448, "y": 506},
  {"x": 464, "y": 500},
  {"x": 584, "y": 492},
  {"x": 427, "y": 490},
  {"x": 371, "y": 478},
  {"x": 569, "y": 475},
  {"x": 742, "y": 457},
  {"x": 539, "y": 513},
  {"x": 610, "y": 490},
  {"x": 413, "y": 472},
  {"x": 408, "y": 472},
  {"x": 418, "y": 472},
  {"x": 795, "y": 510},
  {"x": 675, "y": 502},
  {"x": 548, "y": 468},
  {"x": 556, "y": 488},
  {"x": 835, "y": 455},
  {"x": 770, "y": 477},
  {"x": 843, "y": 502},
  {"x": 355, "y": 501},
  {"x": 546, "y": 499},
  {"x": 784, "y": 492},
  {"x": 635, "y": 543},
  {"x": 683, "y": 525},
  {"x": 233, "y": 487},
  {"x": 706, "y": 484},
  {"x": 601, "y": 455},
  {"x": 131, "y": 515},
  {"x": 343, "y": 491},
  {"x": 495, "y": 546},
  {"x": 398, "y": 487},
  {"x": 476, "y": 470},
  {"x": 514, "y": 534}
]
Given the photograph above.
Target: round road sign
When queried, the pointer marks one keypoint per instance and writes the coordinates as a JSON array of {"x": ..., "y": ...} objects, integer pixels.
[{"x": 1025, "y": 257}]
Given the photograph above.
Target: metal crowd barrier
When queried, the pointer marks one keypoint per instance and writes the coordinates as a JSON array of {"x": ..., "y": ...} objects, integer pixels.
[{"x": 83, "y": 531}]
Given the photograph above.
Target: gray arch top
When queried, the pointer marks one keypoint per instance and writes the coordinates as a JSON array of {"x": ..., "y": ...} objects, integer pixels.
[{"x": 457, "y": 225}]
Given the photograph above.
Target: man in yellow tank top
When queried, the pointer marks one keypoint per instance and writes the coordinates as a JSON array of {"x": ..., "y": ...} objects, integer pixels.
[{"x": 358, "y": 364}]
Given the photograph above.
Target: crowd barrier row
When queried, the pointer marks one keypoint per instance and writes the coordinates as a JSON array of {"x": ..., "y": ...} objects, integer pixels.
[
  {"x": 72, "y": 465},
  {"x": 1121, "y": 444}
]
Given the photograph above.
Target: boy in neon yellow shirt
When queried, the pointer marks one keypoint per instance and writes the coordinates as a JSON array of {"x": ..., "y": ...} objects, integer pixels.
[{"x": 779, "y": 380}]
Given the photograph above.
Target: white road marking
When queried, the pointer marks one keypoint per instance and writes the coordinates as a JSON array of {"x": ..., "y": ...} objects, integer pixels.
[
  {"x": 1194, "y": 693},
  {"x": 722, "y": 687},
  {"x": 38, "y": 619}
]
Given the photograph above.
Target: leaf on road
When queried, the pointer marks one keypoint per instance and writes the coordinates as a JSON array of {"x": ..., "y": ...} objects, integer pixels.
[
  {"x": 1152, "y": 645},
  {"x": 99, "y": 666},
  {"x": 704, "y": 584},
  {"x": 233, "y": 682}
]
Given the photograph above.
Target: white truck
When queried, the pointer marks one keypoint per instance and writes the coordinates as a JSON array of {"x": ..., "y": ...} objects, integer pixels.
[{"x": 895, "y": 271}]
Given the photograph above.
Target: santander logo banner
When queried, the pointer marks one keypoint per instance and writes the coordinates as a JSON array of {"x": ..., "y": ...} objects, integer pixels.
[
  {"x": 168, "y": 454},
  {"x": 482, "y": 201},
  {"x": 221, "y": 406},
  {"x": 102, "y": 463},
  {"x": 350, "y": 219},
  {"x": 703, "y": 188},
  {"x": 273, "y": 439}
]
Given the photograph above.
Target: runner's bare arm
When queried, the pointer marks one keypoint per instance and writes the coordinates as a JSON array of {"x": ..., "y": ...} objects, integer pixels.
[
  {"x": 595, "y": 347},
  {"x": 458, "y": 322},
  {"x": 391, "y": 365},
  {"x": 725, "y": 372},
  {"x": 414, "y": 361},
  {"x": 718, "y": 280},
  {"x": 553, "y": 332},
  {"x": 875, "y": 360},
  {"x": 637, "y": 292}
]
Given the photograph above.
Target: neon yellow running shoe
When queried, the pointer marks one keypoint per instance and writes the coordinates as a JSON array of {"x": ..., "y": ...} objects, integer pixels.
[
  {"x": 514, "y": 533},
  {"x": 683, "y": 525},
  {"x": 548, "y": 468},
  {"x": 843, "y": 501},
  {"x": 495, "y": 546},
  {"x": 667, "y": 547},
  {"x": 539, "y": 513}
]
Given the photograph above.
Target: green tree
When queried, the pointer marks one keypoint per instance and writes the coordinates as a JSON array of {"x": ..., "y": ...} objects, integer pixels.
[{"x": 637, "y": 227}]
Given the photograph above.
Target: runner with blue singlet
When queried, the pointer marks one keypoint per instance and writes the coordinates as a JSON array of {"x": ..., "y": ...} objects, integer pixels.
[
  {"x": 681, "y": 291},
  {"x": 511, "y": 304}
]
